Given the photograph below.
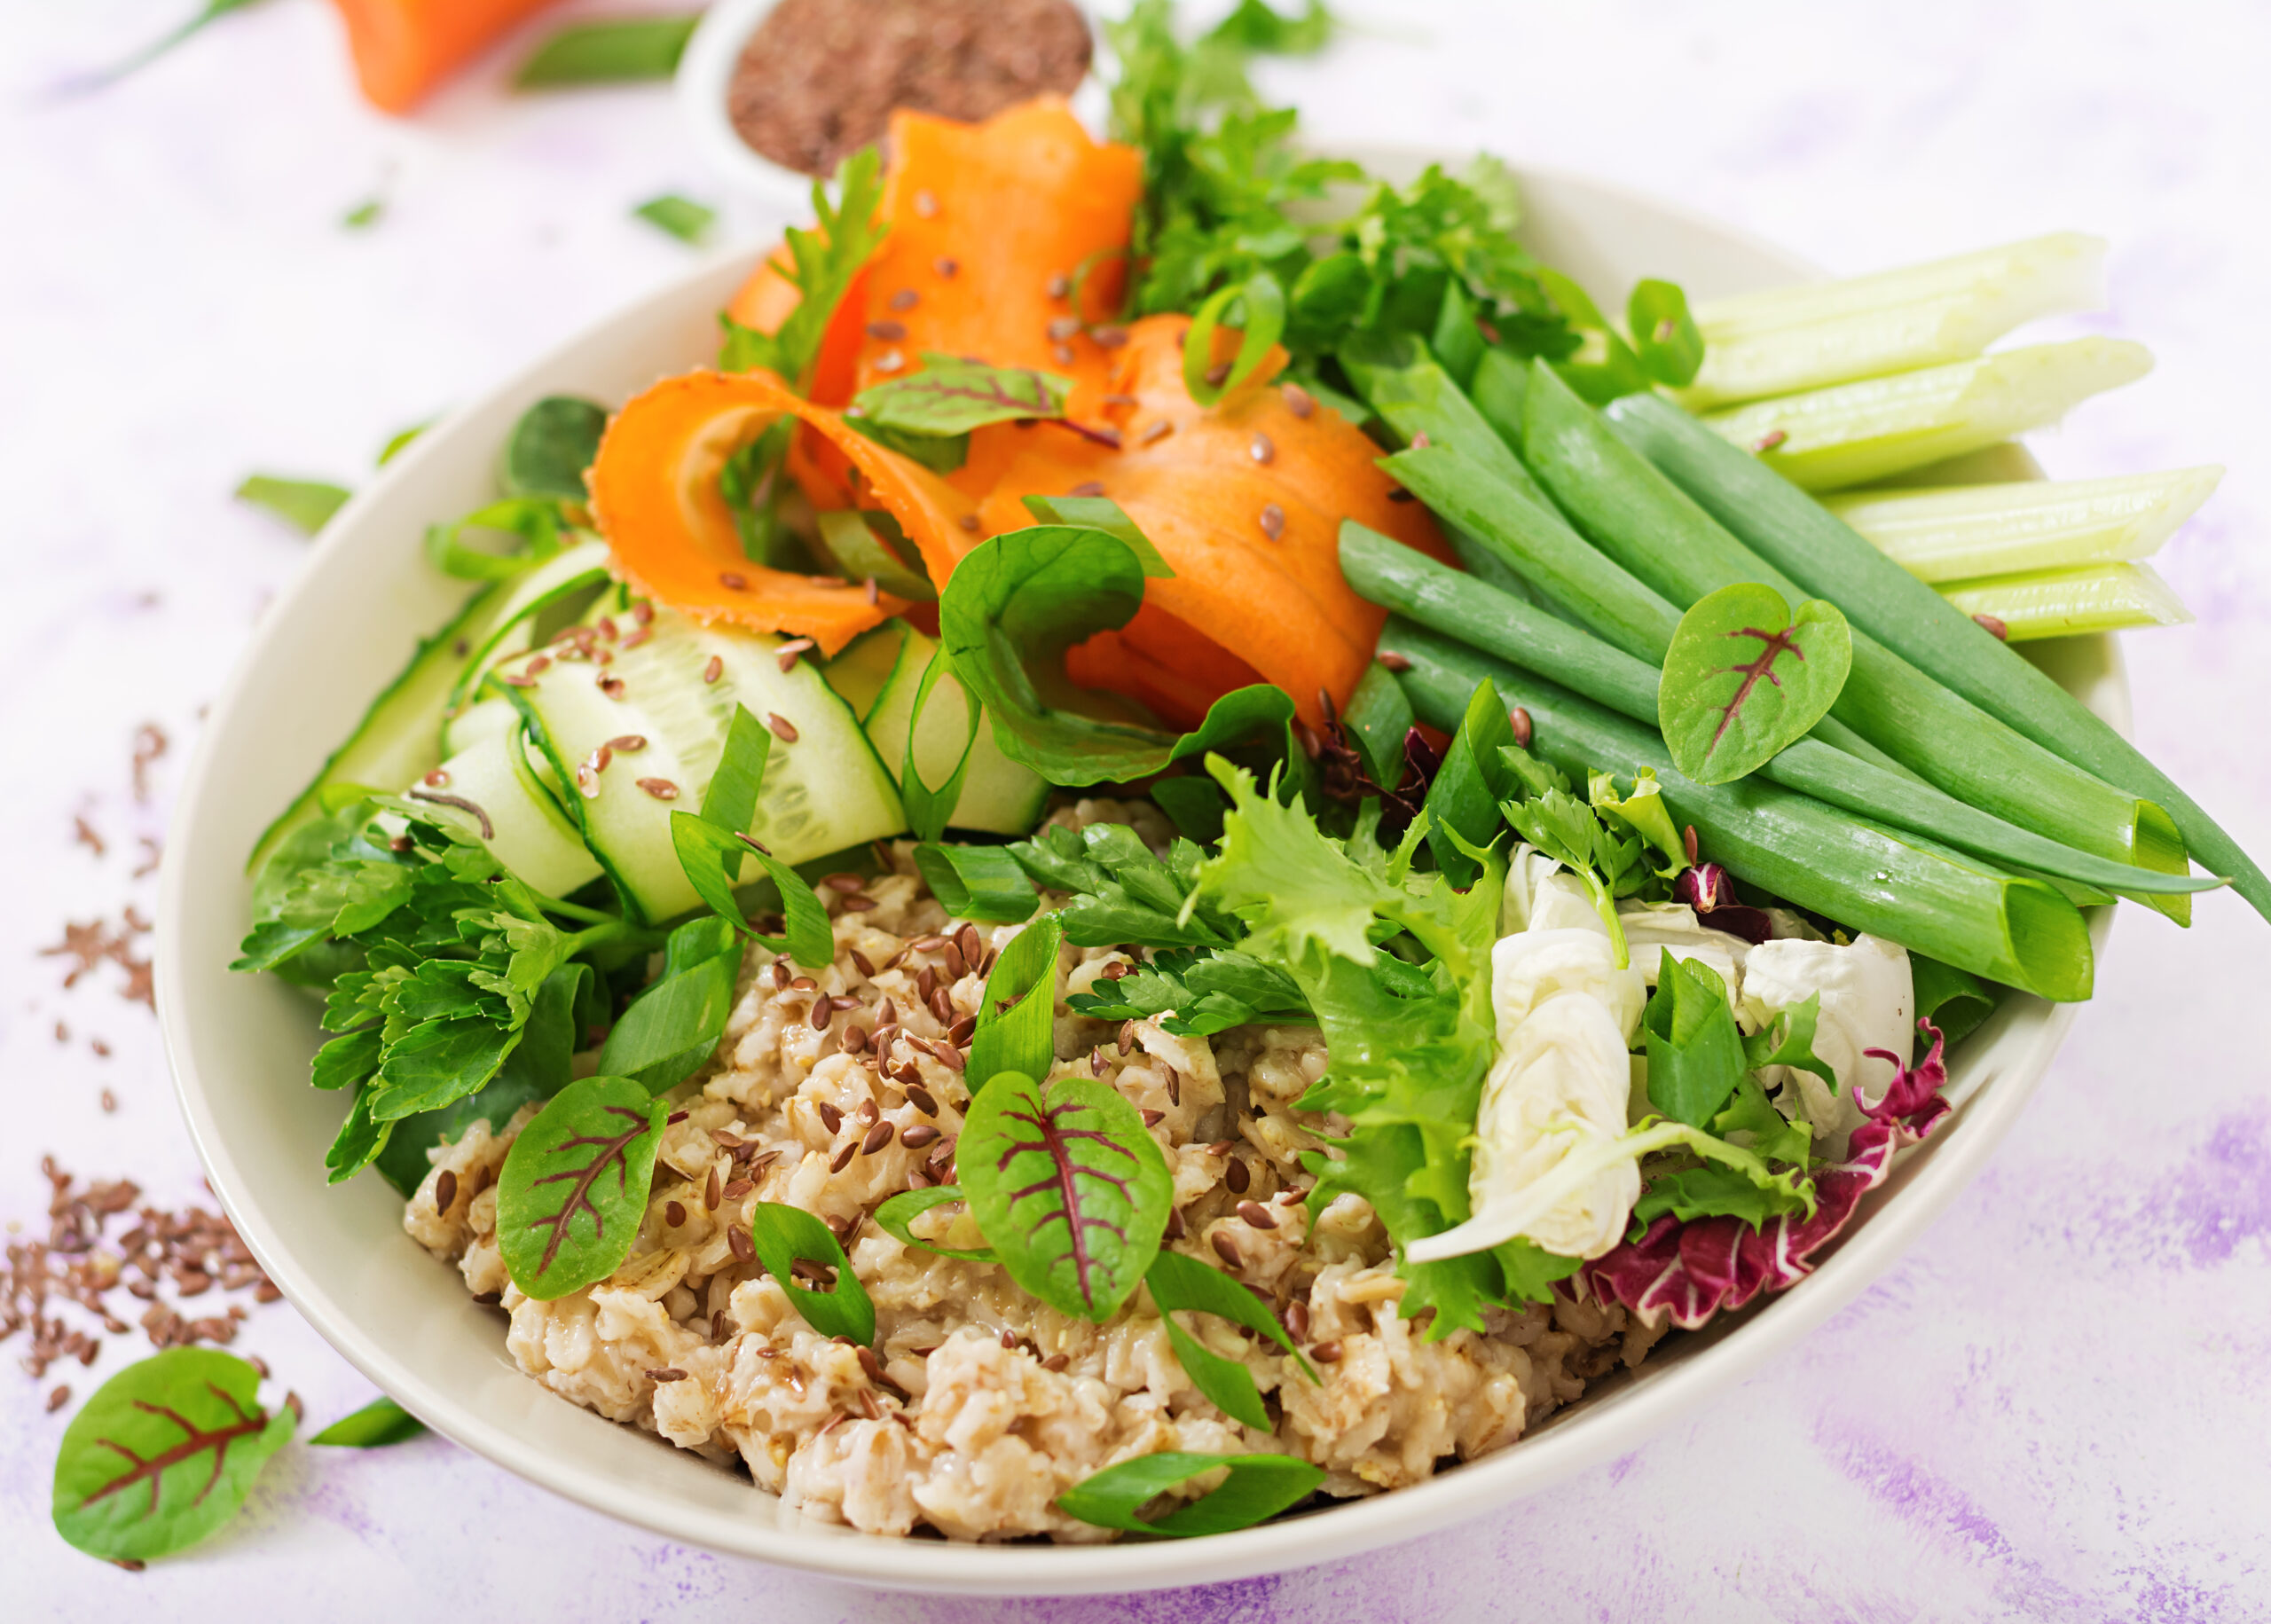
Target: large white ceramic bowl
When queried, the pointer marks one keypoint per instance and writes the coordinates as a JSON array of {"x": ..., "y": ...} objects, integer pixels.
[{"x": 240, "y": 1044}]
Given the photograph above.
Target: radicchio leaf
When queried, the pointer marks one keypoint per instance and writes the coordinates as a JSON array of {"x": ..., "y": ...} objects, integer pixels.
[
  {"x": 1069, "y": 1187},
  {"x": 575, "y": 1185},
  {"x": 1711, "y": 890},
  {"x": 1691, "y": 1270}
]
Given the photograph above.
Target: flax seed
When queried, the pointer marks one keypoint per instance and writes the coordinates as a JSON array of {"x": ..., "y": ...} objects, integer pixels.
[
  {"x": 1227, "y": 1250},
  {"x": 969, "y": 522},
  {"x": 445, "y": 1191},
  {"x": 711, "y": 1192},
  {"x": 1297, "y": 1320},
  {"x": 737, "y": 1242},
  {"x": 920, "y": 1098},
  {"x": 878, "y": 1136},
  {"x": 674, "y": 1214},
  {"x": 732, "y": 583},
  {"x": 714, "y": 669},
  {"x": 844, "y": 1155},
  {"x": 887, "y": 332},
  {"x": 1176, "y": 1228},
  {"x": 661, "y": 788},
  {"x": 945, "y": 267},
  {"x": 1256, "y": 1215},
  {"x": 1768, "y": 441},
  {"x": 830, "y": 1117},
  {"x": 1237, "y": 1176},
  {"x": 1216, "y": 373},
  {"x": 1272, "y": 521},
  {"x": 1262, "y": 451},
  {"x": 1326, "y": 1352},
  {"x": 1392, "y": 660},
  {"x": 1524, "y": 730}
]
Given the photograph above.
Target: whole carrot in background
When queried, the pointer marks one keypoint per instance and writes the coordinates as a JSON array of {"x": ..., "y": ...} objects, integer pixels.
[{"x": 404, "y": 48}]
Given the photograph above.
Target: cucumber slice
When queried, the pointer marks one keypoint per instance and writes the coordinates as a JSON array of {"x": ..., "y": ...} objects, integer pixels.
[
  {"x": 570, "y": 571},
  {"x": 400, "y": 735},
  {"x": 477, "y": 722},
  {"x": 999, "y": 796},
  {"x": 863, "y": 666},
  {"x": 823, "y": 791},
  {"x": 520, "y": 821}
]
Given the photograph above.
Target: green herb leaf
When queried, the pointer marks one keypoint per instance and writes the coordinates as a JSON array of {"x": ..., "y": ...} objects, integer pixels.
[
  {"x": 1665, "y": 337},
  {"x": 1572, "y": 833},
  {"x": 1602, "y": 366},
  {"x": 1016, "y": 1017},
  {"x": 1258, "y": 1487},
  {"x": 1463, "y": 802},
  {"x": 1260, "y": 313},
  {"x": 400, "y": 441},
  {"x": 1101, "y": 513},
  {"x": 534, "y": 522},
  {"x": 609, "y": 50},
  {"x": 703, "y": 850},
  {"x": 306, "y": 505},
  {"x": 979, "y": 883},
  {"x": 1120, "y": 893},
  {"x": 163, "y": 1455},
  {"x": 1180, "y": 1283},
  {"x": 364, "y": 215},
  {"x": 1377, "y": 720},
  {"x": 859, "y": 554},
  {"x": 1787, "y": 1041},
  {"x": 1017, "y": 602},
  {"x": 951, "y": 395},
  {"x": 1695, "y": 1055},
  {"x": 1256, "y": 25},
  {"x": 574, "y": 1187},
  {"x": 1743, "y": 678},
  {"x": 822, "y": 262},
  {"x": 378, "y": 1424},
  {"x": 786, "y": 1237},
  {"x": 682, "y": 217},
  {"x": 672, "y": 1027},
  {"x": 1642, "y": 811},
  {"x": 1198, "y": 991},
  {"x": 551, "y": 447},
  {"x": 897, "y": 1215},
  {"x": 1773, "y": 1137},
  {"x": 730, "y": 803},
  {"x": 928, "y": 810},
  {"x": 1067, "y": 1185}
]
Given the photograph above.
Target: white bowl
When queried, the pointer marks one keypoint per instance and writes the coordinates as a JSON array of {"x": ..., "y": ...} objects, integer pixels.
[
  {"x": 240, "y": 1044},
  {"x": 705, "y": 71}
]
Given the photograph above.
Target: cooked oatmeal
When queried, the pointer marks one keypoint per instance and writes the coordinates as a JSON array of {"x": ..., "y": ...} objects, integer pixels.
[{"x": 979, "y": 1405}]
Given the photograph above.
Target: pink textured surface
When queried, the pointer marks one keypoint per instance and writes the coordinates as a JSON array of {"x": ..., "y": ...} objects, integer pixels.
[{"x": 2052, "y": 1408}]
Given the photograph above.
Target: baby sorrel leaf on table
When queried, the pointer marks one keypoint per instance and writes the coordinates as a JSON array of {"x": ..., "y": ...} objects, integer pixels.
[
  {"x": 1180, "y": 1283},
  {"x": 785, "y": 1236},
  {"x": 164, "y": 1453},
  {"x": 306, "y": 505},
  {"x": 951, "y": 395},
  {"x": 574, "y": 1186},
  {"x": 1258, "y": 1487},
  {"x": 552, "y": 445},
  {"x": 1068, "y": 1186},
  {"x": 1017, "y": 1020},
  {"x": 896, "y": 1217},
  {"x": 1017, "y": 602},
  {"x": 1744, "y": 678},
  {"x": 378, "y": 1424}
]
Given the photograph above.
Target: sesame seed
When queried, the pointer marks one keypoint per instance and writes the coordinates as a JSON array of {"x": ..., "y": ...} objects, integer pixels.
[
  {"x": 890, "y": 361},
  {"x": 926, "y": 204},
  {"x": 1770, "y": 440},
  {"x": 1273, "y": 521},
  {"x": 1059, "y": 286},
  {"x": 627, "y": 743},
  {"x": 1392, "y": 660},
  {"x": 1154, "y": 431},
  {"x": 714, "y": 669},
  {"x": 784, "y": 729},
  {"x": 1299, "y": 401},
  {"x": 1087, "y": 487},
  {"x": 661, "y": 788},
  {"x": 945, "y": 267},
  {"x": 1524, "y": 731},
  {"x": 887, "y": 332},
  {"x": 903, "y": 300},
  {"x": 1262, "y": 451},
  {"x": 1063, "y": 328}
]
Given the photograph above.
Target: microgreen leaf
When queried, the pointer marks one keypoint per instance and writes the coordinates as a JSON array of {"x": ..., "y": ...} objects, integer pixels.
[
  {"x": 607, "y": 50},
  {"x": 859, "y": 554},
  {"x": 1743, "y": 678},
  {"x": 574, "y": 1186},
  {"x": 1068, "y": 1186},
  {"x": 786, "y": 1236},
  {"x": 1197, "y": 992},
  {"x": 1017, "y": 602},
  {"x": 1017, "y": 1016},
  {"x": 1258, "y": 1487},
  {"x": 1665, "y": 337},
  {"x": 1643, "y": 812},
  {"x": 552, "y": 445},
  {"x": 730, "y": 803},
  {"x": 1773, "y": 1137},
  {"x": 364, "y": 215},
  {"x": 1256, "y": 25},
  {"x": 1261, "y": 314},
  {"x": 896, "y": 1217},
  {"x": 1122, "y": 893},
  {"x": 1180, "y": 1283},
  {"x": 980, "y": 882},
  {"x": 1695, "y": 1055},
  {"x": 306, "y": 505},
  {"x": 378, "y": 1424},
  {"x": 682, "y": 217},
  {"x": 164, "y": 1453},
  {"x": 951, "y": 395}
]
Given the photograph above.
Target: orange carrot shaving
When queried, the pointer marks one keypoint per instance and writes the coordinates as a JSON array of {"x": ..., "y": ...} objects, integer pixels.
[
  {"x": 654, "y": 495},
  {"x": 404, "y": 48}
]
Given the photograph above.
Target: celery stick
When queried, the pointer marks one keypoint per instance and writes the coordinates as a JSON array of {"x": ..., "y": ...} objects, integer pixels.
[
  {"x": 1645, "y": 523},
  {"x": 2019, "y": 931},
  {"x": 1956, "y": 534},
  {"x": 1814, "y": 335},
  {"x": 1417, "y": 587},
  {"x": 2069, "y": 602},
  {"x": 1824, "y": 554},
  {"x": 1834, "y": 437}
]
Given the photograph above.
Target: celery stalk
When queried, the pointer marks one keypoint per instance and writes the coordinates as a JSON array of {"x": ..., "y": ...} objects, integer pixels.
[
  {"x": 1969, "y": 531},
  {"x": 1815, "y": 334},
  {"x": 1827, "y": 439},
  {"x": 2069, "y": 602}
]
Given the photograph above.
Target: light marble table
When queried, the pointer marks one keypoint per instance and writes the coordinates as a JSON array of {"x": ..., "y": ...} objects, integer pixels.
[{"x": 2054, "y": 1408}]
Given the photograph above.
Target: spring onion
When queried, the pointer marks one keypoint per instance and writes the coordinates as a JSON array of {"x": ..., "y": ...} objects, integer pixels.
[
  {"x": 1458, "y": 606},
  {"x": 1973, "y": 530},
  {"x": 1829, "y": 559},
  {"x": 2019, "y": 931},
  {"x": 2068, "y": 602},
  {"x": 1825, "y": 439},
  {"x": 1815, "y": 334}
]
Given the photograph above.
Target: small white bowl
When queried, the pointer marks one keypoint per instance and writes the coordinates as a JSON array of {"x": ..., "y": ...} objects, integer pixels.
[
  {"x": 240, "y": 1044},
  {"x": 705, "y": 70}
]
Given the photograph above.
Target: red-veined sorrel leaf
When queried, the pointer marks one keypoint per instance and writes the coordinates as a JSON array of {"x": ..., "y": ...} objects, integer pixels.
[
  {"x": 575, "y": 1185},
  {"x": 1742, "y": 678},
  {"x": 164, "y": 1453},
  {"x": 1069, "y": 1187},
  {"x": 952, "y": 397}
]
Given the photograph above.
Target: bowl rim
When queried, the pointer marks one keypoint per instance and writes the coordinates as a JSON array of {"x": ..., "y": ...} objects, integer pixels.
[{"x": 1613, "y": 1425}]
